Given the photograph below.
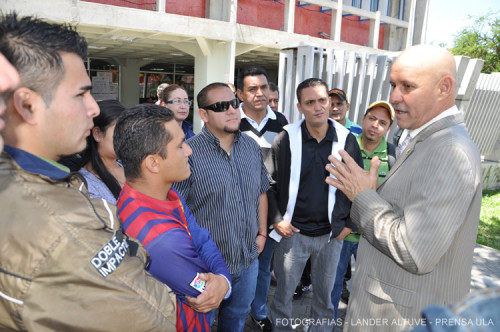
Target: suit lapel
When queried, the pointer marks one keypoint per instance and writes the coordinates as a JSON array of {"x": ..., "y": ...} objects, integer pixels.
[{"x": 433, "y": 128}]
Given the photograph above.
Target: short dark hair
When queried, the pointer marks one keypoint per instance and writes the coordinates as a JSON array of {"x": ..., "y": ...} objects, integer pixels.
[
  {"x": 165, "y": 94},
  {"x": 202, "y": 97},
  {"x": 250, "y": 71},
  {"x": 140, "y": 132},
  {"x": 310, "y": 82},
  {"x": 273, "y": 87},
  {"x": 34, "y": 48}
]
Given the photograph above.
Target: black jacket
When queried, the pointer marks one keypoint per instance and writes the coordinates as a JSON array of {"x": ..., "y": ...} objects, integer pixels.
[{"x": 278, "y": 164}]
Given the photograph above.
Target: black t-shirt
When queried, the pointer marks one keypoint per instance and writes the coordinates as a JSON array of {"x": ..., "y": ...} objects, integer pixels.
[{"x": 311, "y": 208}]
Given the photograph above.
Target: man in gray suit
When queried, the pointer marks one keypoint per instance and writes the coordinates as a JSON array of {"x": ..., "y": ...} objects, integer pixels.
[{"x": 419, "y": 226}]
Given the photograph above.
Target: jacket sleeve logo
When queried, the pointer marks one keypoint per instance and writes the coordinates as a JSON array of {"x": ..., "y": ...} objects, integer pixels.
[{"x": 107, "y": 260}]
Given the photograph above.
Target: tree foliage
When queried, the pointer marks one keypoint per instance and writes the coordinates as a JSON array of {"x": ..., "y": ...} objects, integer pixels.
[{"x": 481, "y": 40}]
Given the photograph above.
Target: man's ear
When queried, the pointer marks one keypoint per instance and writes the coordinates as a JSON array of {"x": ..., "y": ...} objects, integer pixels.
[
  {"x": 299, "y": 107},
  {"x": 26, "y": 102},
  {"x": 348, "y": 106},
  {"x": 151, "y": 164},
  {"x": 203, "y": 114},
  {"x": 240, "y": 94},
  {"x": 446, "y": 85}
]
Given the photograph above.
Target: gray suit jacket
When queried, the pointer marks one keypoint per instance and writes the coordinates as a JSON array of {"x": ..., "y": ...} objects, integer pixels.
[{"x": 419, "y": 230}]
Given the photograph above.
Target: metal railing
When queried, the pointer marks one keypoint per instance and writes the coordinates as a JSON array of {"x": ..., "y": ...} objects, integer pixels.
[
  {"x": 483, "y": 115},
  {"x": 365, "y": 78}
]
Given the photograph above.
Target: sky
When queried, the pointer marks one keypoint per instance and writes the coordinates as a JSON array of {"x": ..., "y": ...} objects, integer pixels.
[{"x": 448, "y": 17}]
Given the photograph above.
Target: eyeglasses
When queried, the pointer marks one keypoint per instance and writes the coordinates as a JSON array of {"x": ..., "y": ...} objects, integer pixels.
[
  {"x": 178, "y": 101},
  {"x": 222, "y": 106}
]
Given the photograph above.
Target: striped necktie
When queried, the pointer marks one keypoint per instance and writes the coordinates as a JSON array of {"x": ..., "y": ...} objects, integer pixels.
[{"x": 402, "y": 146}]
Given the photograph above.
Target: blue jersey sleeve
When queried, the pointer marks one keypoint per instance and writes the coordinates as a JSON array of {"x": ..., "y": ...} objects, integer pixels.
[{"x": 175, "y": 261}]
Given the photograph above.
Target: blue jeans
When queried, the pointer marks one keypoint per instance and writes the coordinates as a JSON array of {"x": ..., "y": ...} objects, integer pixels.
[
  {"x": 348, "y": 249},
  {"x": 234, "y": 311},
  {"x": 259, "y": 304}
]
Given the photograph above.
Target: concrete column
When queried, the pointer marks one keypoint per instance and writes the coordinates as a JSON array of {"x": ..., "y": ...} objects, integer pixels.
[
  {"x": 222, "y": 10},
  {"x": 289, "y": 15},
  {"x": 421, "y": 16},
  {"x": 394, "y": 37},
  {"x": 411, "y": 22},
  {"x": 336, "y": 23},
  {"x": 160, "y": 5},
  {"x": 129, "y": 81},
  {"x": 213, "y": 62},
  {"x": 375, "y": 30}
]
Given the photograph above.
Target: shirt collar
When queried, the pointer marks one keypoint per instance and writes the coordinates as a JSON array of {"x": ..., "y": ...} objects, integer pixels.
[
  {"x": 34, "y": 164},
  {"x": 211, "y": 138},
  {"x": 186, "y": 126},
  {"x": 348, "y": 123},
  {"x": 269, "y": 113},
  {"x": 172, "y": 195},
  {"x": 331, "y": 134},
  {"x": 449, "y": 112},
  {"x": 381, "y": 148}
]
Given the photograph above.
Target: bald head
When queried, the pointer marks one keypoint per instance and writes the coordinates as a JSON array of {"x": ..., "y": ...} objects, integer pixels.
[
  {"x": 434, "y": 60},
  {"x": 423, "y": 81}
]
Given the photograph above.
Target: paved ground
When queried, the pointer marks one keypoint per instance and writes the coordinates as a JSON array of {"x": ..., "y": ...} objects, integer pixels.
[{"x": 486, "y": 264}]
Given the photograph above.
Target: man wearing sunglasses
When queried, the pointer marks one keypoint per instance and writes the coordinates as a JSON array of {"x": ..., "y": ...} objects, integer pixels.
[
  {"x": 226, "y": 193},
  {"x": 310, "y": 218}
]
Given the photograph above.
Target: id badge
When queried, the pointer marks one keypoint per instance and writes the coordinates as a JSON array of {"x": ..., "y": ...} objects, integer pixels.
[{"x": 198, "y": 283}]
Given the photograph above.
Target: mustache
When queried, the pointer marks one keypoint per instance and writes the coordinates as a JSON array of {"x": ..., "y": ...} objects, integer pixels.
[{"x": 400, "y": 108}]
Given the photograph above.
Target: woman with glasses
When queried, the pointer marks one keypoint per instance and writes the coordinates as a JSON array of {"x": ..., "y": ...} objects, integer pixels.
[{"x": 175, "y": 97}]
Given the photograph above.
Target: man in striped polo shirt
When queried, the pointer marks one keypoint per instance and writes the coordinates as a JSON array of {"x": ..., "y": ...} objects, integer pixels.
[{"x": 226, "y": 192}]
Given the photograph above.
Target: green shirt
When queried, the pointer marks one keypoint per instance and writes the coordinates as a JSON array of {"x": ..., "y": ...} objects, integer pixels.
[{"x": 382, "y": 153}]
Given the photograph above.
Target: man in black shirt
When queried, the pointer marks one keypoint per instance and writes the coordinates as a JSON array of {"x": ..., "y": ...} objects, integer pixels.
[{"x": 310, "y": 218}]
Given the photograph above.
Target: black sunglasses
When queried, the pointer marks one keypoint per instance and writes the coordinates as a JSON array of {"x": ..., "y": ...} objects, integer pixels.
[{"x": 222, "y": 106}]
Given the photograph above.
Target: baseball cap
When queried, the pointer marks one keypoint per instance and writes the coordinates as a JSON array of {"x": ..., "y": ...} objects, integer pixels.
[
  {"x": 340, "y": 93},
  {"x": 383, "y": 104}
]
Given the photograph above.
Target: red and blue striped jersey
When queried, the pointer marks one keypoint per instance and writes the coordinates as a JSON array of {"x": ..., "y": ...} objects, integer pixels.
[{"x": 178, "y": 247}]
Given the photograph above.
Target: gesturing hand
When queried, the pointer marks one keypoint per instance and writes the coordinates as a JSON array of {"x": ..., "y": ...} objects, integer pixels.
[{"x": 349, "y": 177}]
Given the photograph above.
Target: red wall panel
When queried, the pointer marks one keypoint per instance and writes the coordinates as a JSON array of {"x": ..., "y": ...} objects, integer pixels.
[
  {"x": 195, "y": 8},
  {"x": 139, "y": 4},
  {"x": 309, "y": 20}
]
